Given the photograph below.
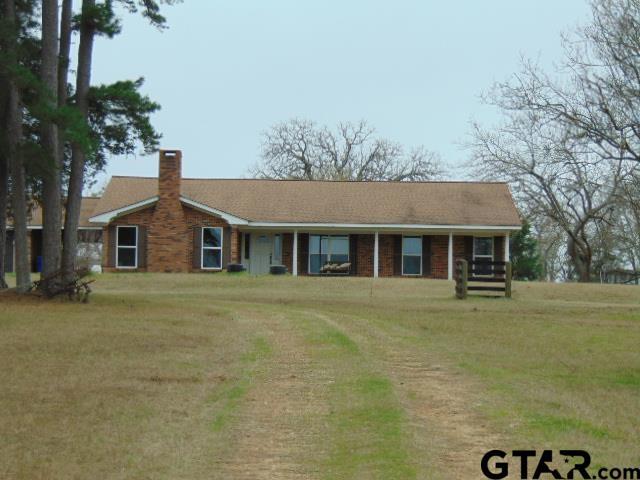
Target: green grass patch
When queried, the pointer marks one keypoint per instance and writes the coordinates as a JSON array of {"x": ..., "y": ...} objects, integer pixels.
[
  {"x": 554, "y": 425},
  {"x": 333, "y": 341},
  {"x": 231, "y": 397},
  {"x": 368, "y": 426},
  {"x": 627, "y": 379}
]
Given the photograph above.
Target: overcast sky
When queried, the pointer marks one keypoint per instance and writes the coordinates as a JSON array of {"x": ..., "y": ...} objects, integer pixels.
[{"x": 225, "y": 71}]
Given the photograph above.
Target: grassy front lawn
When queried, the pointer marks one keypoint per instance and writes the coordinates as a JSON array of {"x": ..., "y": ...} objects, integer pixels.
[{"x": 222, "y": 376}]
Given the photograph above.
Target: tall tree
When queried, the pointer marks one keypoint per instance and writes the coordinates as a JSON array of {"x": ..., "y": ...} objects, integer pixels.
[
  {"x": 88, "y": 26},
  {"x": 12, "y": 148},
  {"x": 553, "y": 177},
  {"x": 598, "y": 96},
  {"x": 52, "y": 173},
  {"x": 571, "y": 139},
  {"x": 4, "y": 183},
  {"x": 64, "y": 61},
  {"x": 100, "y": 19},
  {"x": 299, "y": 149}
]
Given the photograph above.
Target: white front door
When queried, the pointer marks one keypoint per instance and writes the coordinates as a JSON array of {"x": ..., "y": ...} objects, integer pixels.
[{"x": 261, "y": 253}]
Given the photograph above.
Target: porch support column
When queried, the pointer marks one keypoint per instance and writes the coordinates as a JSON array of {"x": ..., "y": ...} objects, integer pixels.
[
  {"x": 376, "y": 242},
  {"x": 450, "y": 260},
  {"x": 294, "y": 266},
  {"x": 506, "y": 247}
]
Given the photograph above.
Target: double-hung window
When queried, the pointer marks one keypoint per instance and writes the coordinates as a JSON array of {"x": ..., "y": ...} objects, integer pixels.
[
  {"x": 126, "y": 246},
  {"x": 412, "y": 255},
  {"x": 327, "y": 249},
  {"x": 483, "y": 252},
  {"x": 211, "y": 257}
]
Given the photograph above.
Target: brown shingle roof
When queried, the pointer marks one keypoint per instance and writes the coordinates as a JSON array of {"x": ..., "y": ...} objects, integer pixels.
[
  {"x": 419, "y": 203},
  {"x": 87, "y": 207}
]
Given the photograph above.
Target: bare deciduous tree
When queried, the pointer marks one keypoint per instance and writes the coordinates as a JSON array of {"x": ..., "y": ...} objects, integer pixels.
[
  {"x": 571, "y": 141},
  {"x": 553, "y": 177},
  {"x": 299, "y": 149},
  {"x": 596, "y": 92}
]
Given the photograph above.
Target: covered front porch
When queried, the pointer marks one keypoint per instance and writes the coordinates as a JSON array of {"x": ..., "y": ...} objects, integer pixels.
[{"x": 411, "y": 252}]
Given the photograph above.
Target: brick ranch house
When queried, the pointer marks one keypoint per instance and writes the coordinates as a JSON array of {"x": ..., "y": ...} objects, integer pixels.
[{"x": 369, "y": 229}]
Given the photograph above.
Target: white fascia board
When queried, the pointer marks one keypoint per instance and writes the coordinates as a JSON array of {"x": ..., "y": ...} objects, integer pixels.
[
  {"x": 230, "y": 219},
  {"x": 106, "y": 217},
  {"x": 385, "y": 226},
  {"x": 39, "y": 227}
]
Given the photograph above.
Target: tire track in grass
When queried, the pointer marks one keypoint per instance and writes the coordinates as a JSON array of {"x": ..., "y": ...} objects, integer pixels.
[
  {"x": 449, "y": 437},
  {"x": 231, "y": 397},
  {"x": 366, "y": 422},
  {"x": 315, "y": 408},
  {"x": 275, "y": 426}
]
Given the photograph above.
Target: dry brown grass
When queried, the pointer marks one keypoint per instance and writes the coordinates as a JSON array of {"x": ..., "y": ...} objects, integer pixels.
[{"x": 216, "y": 376}]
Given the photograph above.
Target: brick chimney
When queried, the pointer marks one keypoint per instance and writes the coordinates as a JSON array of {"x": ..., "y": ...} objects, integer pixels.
[
  {"x": 169, "y": 176},
  {"x": 169, "y": 236}
]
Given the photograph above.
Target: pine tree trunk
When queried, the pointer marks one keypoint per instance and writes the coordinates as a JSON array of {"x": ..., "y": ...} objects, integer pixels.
[
  {"x": 14, "y": 159},
  {"x": 63, "y": 65},
  {"x": 4, "y": 182},
  {"x": 4, "y": 196},
  {"x": 78, "y": 155},
  {"x": 51, "y": 178}
]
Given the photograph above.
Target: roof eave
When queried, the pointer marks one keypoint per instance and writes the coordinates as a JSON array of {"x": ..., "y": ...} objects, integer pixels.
[
  {"x": 107, "y": 217},
  {"x": 229, "y": 218},
  {"x": 385, "y": 226}
]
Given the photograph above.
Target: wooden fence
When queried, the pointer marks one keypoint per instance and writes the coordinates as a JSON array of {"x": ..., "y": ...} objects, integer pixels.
[{"x": 474, "y": 276}]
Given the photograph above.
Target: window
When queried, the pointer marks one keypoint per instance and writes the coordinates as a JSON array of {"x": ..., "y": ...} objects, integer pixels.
[
  {"x": 327, "y": 250},
  {"x": 127, "y": 247},
  {"x": 212, "y": 248},
  {"x": 277, "y": 249},
  {"x": 247, "y": 245},
  {"x": 412, "y": 255},
  {"x": 483, "y": 251}
]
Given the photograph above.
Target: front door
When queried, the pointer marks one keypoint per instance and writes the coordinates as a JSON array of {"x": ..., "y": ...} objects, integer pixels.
[{"x": 261, "y": 251}]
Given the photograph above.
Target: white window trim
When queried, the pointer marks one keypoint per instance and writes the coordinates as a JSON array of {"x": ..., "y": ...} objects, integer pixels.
[
  {"x": 203, "y": 248},
  {"x": 402, "y": 255},
  {"x": 328, "y": 253},
  {"x": 492, "y": 256},
  {"x": 118, "y": 247}
]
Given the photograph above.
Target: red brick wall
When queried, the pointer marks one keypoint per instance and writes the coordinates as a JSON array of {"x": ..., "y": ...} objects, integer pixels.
[
  {"x": 168, "y": 238},
  {"x": 439, "y": 256},
  {"x": 385, "y": 255},
  {"x": 170, "y": 249},
  {"x": 236, "y": 245},
  {"x": 141, "y": 218},
  {"x": 364, "y": 260},
  {"x": 287, "y": 251},
  {"x": 364, "y": 248}
]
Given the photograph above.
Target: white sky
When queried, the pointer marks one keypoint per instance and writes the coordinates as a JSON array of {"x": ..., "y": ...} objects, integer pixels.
[{"x": 225, "y": 71}]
